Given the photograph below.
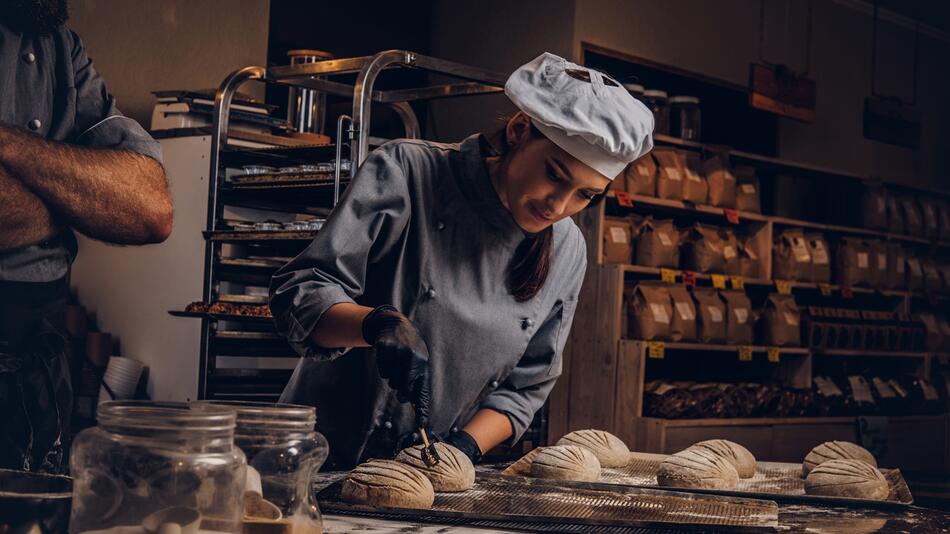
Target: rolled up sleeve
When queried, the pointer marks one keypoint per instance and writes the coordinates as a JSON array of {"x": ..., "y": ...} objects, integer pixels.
[
  {"x": 99, "y": 123},
  {"x": 370, "y": 219}
]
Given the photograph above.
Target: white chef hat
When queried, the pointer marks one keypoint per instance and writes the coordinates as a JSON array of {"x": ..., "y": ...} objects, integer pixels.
[{"x": 581, "y": 110}]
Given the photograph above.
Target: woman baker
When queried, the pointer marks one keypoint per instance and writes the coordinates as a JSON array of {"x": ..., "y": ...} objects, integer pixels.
[{"x": 441, "y": 290}]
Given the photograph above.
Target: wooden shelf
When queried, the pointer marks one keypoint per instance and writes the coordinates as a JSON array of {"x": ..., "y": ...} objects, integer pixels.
[
  {"x": 745, "y": 421},
  {"x": 678, "y": 206},
  {"x": 639, "y": 269},
  {"x": 870, "y": 353},
  {"x": 706, "y": 347},
  {"x": 252, "y": 235}
]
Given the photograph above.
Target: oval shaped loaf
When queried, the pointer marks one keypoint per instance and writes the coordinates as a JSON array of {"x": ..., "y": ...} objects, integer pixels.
[
  {"x": 836, "y": 450},
  {"x": 522, "y": 467},
  {"x": 736, "y": 454},
  {"x": 608, "y": 448},
  {"x": 697, "y": 468},
  {"x": 566, "y": 462},
  {"x": 454, "y": 473},
  {"x": 847, "y": 478},
  {"x": 388, "y": 484}
]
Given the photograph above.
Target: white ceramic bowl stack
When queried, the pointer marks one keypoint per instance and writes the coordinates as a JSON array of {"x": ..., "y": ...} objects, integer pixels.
[{"x": 122, "y": 375}]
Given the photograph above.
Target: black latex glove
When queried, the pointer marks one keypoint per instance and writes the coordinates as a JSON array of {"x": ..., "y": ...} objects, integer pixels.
[
  {"x": 464, "y": 442},
  {"x": 401, "y": 357}
]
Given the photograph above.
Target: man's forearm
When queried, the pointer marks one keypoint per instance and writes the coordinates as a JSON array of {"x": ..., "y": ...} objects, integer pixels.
[
  {"x": 341, "y": 326},
  {"x": 24, "y": 218},
  {"x": 489, "y": 428},
  {"x": 113, "y": 195}
]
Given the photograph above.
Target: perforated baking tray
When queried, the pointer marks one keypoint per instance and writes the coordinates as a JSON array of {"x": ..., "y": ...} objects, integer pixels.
[{"x": 542, "y": 505}]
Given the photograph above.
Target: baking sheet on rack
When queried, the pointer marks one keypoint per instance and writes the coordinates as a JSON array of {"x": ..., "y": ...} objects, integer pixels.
[
  {"x": 535, "y": 503},
  {"x": 772, "y": 480}
]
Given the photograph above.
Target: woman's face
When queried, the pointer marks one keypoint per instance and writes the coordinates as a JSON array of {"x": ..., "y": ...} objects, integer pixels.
[{"x": 540, "y": 183}]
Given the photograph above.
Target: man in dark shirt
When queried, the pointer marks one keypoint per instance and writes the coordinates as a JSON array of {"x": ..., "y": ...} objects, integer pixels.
[{"x": 68, "y": 160}]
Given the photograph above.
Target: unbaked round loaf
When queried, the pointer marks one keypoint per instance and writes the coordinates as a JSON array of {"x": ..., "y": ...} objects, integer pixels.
[
  {"x": 454, "y": 473},
  {"x": 387, "y": 484},
  {"x": 836, "y": 450},
  {"x": 736, "y": 454},
  {"x": 522, "y": 467},
  {"x": 608, "y": 448},
  {"x": 697, "y": 468},
  {"x": 847, "y": 478},
  {"x": 566, "y": 462}
]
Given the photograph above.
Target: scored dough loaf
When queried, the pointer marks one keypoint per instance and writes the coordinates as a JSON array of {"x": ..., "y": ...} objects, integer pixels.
[
  {"x": 697, "y": 468},
  {"x": 847, "y": 478},
  {"x": 836, "y": 450},
  {"x": 387, "y": 484},
  {"x": 454, "y": 473},
  {"x": 566, "y": 462},
  {"x": 736, "y": 454},
  {"x": 608, "y": 448},
  {"x": 522, "y": 467}
]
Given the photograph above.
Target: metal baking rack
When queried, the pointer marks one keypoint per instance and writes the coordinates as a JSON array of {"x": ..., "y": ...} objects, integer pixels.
[{"x": 324, "y": 171}]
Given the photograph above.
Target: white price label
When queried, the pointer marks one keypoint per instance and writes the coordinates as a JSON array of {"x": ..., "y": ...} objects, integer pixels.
[
  {"x": 618, "y": 235},
  {"x": 685, "y": 310},
  {"x": 881, "y": 261},
  {"x": 791, "y": 318},
  {"x": 728, "y": 252},
  {"x": 742, "y": 315},
  {"x": 862, "y": 260},
  {"x": 748, "y": 189},
  {"x": 665, "y": 239},
  {"x": 673, "y": 173},
  {"x": 659, "y": 313},
  {"x": 715, "y": 314}
]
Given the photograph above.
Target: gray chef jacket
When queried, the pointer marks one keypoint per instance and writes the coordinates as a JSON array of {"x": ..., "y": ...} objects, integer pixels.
[
  {"x": 422, "y": 228},
  {"x": 49, "y": 86}
]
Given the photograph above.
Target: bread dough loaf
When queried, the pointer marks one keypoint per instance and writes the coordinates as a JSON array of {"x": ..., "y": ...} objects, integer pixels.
[
  {"x": 847, "y": 478},
  {"x": 736, "y": 454},
  {"x": 566, "y": 462},
  {"x": 608, "y": 448},
  {"x": 522, "y": 467},
  {"x": 387, "y": 484},
  {"x": 836, "y": 450},
  {"x": 697, "y": 467},
  {"x": 454, "y": 473}
]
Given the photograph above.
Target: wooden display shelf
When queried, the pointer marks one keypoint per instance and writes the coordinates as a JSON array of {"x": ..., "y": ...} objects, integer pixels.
[
  {"x": 870, "y": 353},
  {"x": 678, "y": 206},
  {"x": 639, "y": 269},
  {"x": 254, "y": 235},
  {"x": 709, "y": 347}
]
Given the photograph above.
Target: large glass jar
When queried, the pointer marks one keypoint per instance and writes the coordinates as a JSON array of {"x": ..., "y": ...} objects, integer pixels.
[
  {"x": 685, "y": 117},
  {"x": 283, "y": 454},
  {"x": 149, "y": 460},
  {"x": 658, "y": 103}
]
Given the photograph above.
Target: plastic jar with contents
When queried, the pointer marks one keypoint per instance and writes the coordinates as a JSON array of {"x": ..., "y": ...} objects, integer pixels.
[
  {"x": 283, "y": 454},
  {"x": 685, "y": 117},
  {"x": 658, "y": 103},
  {"x": 149, "y": 464},
  {"x": 635, "y": 89}
]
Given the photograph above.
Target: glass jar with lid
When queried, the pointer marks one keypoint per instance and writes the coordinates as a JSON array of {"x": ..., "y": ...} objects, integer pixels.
[
  {"x": 283, "y": 453},
  {"x": 685, "y": 117},
  {"x": 658, "y": 103},
  {"x": 635, "y": 89},
  {"x": 154, "y": 463}
]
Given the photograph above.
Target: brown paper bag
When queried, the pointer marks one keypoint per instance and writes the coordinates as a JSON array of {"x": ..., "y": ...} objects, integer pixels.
[
  {"x": 854, "y": 262},
  {"x": 930, "y": 211},
  {"x": 748, "y": 192},
  {"x": 721, "y": 181},
  {"x": 732, "y": 264},
  {"x": 669, "y": 180},
  {"x": 651, "y": 312},
  {"x": 895, "y": 216},
  {"x": 640, "y": 176},
  {"x": 791, "y": 259},
  {"x": 658, "y": 243},
  {"x": 874, "y": 208},
  {"x": 695, "y": 189},
  {"x": 711, "y": 312},
  {"x": 749, "y": 260},
  {"x": 683, "y": 326},
  {"x": 739, "y": 318},
  {"x": 943, "y": 217},
  {"x": 913, "y": 221},
  {"x": 933, "y": 337},
  {"x": 877, "y": 273},
  {"x": 820, "y": 258},
  {"x": 781, "y": 321},
  {"x": 895, "y": 266},
  {"x": 932, "y": 278},
  {"x": 618, "y": 240},
  {"x": 914, "y": 280},
  {"x": 702, "y": 249}
]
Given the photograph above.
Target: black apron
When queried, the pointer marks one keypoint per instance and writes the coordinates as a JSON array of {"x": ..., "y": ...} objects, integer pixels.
[{"x": 35, "y": 393}]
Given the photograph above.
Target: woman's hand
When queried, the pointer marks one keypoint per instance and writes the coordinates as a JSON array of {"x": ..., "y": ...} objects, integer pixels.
[{"x": 401, "y": 357}]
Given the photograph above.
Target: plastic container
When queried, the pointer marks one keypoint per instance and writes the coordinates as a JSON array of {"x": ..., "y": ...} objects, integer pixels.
[
  {"x": 146, "y": 458},
  {"x": 685, "y": 117},
  {"x": 283, "y": 454},
  {"x": 658, "y": 102}
]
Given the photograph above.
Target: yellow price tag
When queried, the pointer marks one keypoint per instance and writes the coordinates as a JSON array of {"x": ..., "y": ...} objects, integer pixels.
[
  {"x": 745, "y": 353},
  {"x": 657, "y": 349},
  {"x": 783, "y": 287},
  {"x": 719, "y": 281},
  {"x": 825, "y": 289},
  {"x": 773, "y": 354},
  {"x": 668, "y": 276},
  {"x": 738, "y": 282}
]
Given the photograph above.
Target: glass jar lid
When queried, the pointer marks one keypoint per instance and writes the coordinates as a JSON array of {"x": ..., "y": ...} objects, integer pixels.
[
  {"x": 654, "y": 93},
  {"x": 634, "y": 87},
  {"x": 683, "y": 99}
]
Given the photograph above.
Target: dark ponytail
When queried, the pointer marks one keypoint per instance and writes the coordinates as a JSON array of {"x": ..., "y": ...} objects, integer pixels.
[{"x": 529, "y": 268}]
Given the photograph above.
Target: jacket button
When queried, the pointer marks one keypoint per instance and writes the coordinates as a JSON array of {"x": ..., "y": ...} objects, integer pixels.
[
  {"x": 430, "y": 293},
  {"x": 526, "y": 324},
  {"x": 29, "y": 57},
  {"x": 454, "y": 430},
  {"x": 440, "y": 225},
  {"x": 35, "y": 124},
  {"x": 494, "y": 384},
  {"x": 415, "y": 436},
  {"x": 388, "y": 425}
]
